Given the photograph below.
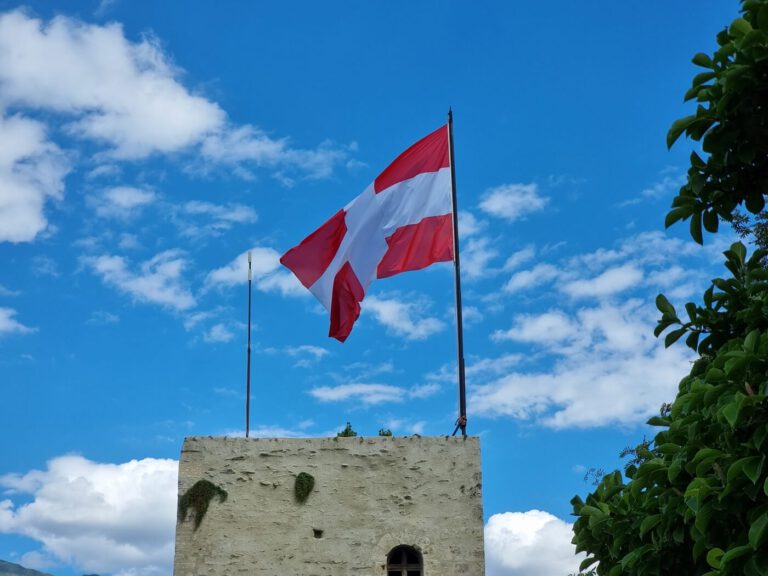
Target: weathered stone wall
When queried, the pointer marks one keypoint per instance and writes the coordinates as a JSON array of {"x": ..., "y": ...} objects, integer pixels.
[{"x": 370, "y": 495}]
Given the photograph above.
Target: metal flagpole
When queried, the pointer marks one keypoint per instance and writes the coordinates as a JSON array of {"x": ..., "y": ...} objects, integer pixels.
[
  {"x": 248, "y": 369},
  {"x": 461, "y": 422}
]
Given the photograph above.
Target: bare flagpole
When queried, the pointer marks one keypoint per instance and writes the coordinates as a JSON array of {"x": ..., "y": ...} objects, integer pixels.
[
  {"x": 248, "y": 369},
  {"x": 461, "y": 422}
]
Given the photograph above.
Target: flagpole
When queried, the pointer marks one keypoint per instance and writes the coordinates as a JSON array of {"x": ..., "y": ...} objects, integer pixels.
[
  {"x": 248, "y": 369},
  {"x": 461, "y": 422}
]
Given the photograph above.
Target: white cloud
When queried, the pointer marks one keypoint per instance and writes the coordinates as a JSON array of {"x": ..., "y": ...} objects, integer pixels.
[
  {"x": 234, "y": 213},
  {"x": 32, "y": 171},
  {"x": 644, "y": 249},
  {"x": 471, "y": 315},
  {"x": 44, "y": 266},
  {"x": 532, "y": 543},
  {"x": 424, "y": 390},
  {"x": 403, "y": 318},
  {"x": 8, "y": 292},
  {"x": 116, "y": 518},
  {"x": 498, "y": 365},
  {"x": 536, "y": 276},
  {"x": 244, "y": 145},
  {"x": 670, "y": 180},
  {"x": 103, "y": 317},
  {"x": 37, "y": 561},
  {"x": 9, "y": 325},
  {"x": 197, "y": 218},
  {"x": 469, "y": 225},
  {"x": 520, "y": 257},
  {"x": 218, "y": 333},
  {"x": 513, "y": 201},
  {"x": 158, "y": 280},
  {"x": 552, "y": 326},
  {"x": 476, "y": 256},
  {"x": 263, "y": 262},
  {"x": 128, "y": 242},
  {"x": 121, "y": 202},
  {"x": 368, "y": 394},
  {"x": 612, "y": 281},
  {"x": 267, "y": 274},
  {"x": 399, "y": 426},
  {"x": 597, "y": 364},
  {"x": 122, "y": 93},
  {"x": 276, "y": 432},
  {"x": 306, "y": 354},
  {"x": 129, "y": 96},
  {"x": 606, "y": 368}
]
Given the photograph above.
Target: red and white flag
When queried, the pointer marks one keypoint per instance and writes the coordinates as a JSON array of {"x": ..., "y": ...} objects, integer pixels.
[{"x": 402, "y": 221}]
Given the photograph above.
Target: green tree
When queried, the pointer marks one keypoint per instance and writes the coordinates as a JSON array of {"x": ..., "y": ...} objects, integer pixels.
[
  {"x": 694, "y": 499},
  {"x": 347, "y": 432}
]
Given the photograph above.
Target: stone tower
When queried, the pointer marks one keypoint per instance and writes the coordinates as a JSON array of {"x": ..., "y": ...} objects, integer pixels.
[{"x": 378, "y": 506}]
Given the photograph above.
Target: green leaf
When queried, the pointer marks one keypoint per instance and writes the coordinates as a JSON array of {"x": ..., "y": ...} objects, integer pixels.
[
  {"x": 755, "y": 202},
  {"x": 665, "y": 307},
  {"x": 657, "y": 421},
  {"x": 752, "y": 467},
  {"x": 714, "y": 556},
  {"x": 731, "y": 413},
  {"x": 752, "y": 341},
  {"x": 706, "y": 453},
  {"x": 669, "y": 448},
  {"x": 758, "y": 531},
  {"x": 676, "y": 214},
  {"x": 674, "y": 470},
  {"x": 739, "y": 28},
  {"x": 700, "y": 79},
  {"x": 590, "y": 511},
  {"x": 696, "y": 228},
  {"x": 765, "y": 487},
  {"x": 674, "y": 336},
  {"x": 649, "y": 523},
  {"x": 702, "y": 518},
  {"x": 740, "y": 251},
  {"x": 715, "y": 375},
  {"x": 711, "y": 221},
  {"x": 703, "y": 60},
  {"x": 762, "y": 18},
  {"x": 678, "y": 127},
  {"x": 734, "y": 553},
  {"x": 759, "y": 436},
  {"x": 587, "y": 563}
]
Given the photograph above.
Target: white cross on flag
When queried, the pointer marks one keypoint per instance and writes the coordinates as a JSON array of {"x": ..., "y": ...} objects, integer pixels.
[{"x": 402, "y": 221}]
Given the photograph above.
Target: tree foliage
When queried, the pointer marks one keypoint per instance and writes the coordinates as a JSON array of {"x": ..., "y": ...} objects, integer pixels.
[
  {"x": 731, "y": 122},
  {"x": 348, "y": 432},
  {"x": 694, "y": 499}
]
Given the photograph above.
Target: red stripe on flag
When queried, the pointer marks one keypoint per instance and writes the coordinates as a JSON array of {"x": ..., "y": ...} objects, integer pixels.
[
  {"x": 345, "y": 302},
  {"x": 416, "y": 246},
  {"x": 428, "y": 155},
  {"x": 309, "y": 259}
]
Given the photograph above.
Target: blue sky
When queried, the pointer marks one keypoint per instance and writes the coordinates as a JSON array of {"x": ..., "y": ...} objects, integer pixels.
[{"x": 146, "y": 146}]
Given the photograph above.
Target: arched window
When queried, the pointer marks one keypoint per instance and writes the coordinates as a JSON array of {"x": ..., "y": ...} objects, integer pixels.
[{"x": 404, "y": 561}]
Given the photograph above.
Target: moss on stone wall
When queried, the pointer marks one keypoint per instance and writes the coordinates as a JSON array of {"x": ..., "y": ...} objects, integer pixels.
[
  {"x": 198, "y": 497},
  {"x": 303, "y": 487}
]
